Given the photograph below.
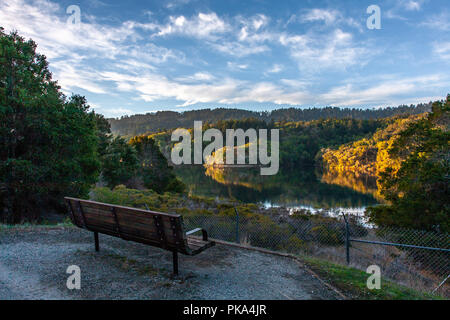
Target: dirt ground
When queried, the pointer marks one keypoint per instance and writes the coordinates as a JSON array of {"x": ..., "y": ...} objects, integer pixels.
[{"x": 33, "y": 265}]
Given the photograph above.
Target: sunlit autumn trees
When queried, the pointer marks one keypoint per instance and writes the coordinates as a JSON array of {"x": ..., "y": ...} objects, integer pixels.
[
  {"x": 419, "y": 190},
  {"x": 301, "y": 142},
  {"x": 410, "y": 158},
  {"x": 368, "y": 156}
]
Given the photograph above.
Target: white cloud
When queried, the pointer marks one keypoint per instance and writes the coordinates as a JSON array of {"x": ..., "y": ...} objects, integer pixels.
[
  {"x": 333, "y": 51},
  {"x": 439, "y": 22},
  {"x": 203, "y": 25},
  {"x": 152, "y": 53},
  {"x": 152, "y": 87},
  {"x": 238, "y": 49},
  {"x": 397, "y": 11},
  {"x": 69, "y": 77},
  {"x": 176, "y": 3},
  {"x": 268, "y": 92},
  {"x": 328, "y": 16},
  {"x": 389, "y": 91},
  {"x": 392, "y": 14},
  {"x": 442, "y": 50},
  {"x": 294, "y": 83},
  {"x": 384, "y": 93},
  {"x": 246, "y": 36},
  {"x": 275, "y": 68},
  {"x": 42, "y": 21},
  {"x": 236, "y": 66},
  {"x": 412, "y": 5},
  {"x": 199, "y": 76},
  {"x": 259, "y": 21},
  {"x": 251, "y": 25},
  {"x": 69, "y": 49}
]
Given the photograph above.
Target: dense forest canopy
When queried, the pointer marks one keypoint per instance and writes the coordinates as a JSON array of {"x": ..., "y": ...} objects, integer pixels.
[{"x": 164, "y": 120}]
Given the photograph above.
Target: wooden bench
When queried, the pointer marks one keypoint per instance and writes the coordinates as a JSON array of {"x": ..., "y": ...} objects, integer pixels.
[{"x": 152, "y": 228}]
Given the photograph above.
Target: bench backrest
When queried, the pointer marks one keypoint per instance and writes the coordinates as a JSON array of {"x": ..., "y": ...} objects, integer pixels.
[{"x": 158, "y": 229}]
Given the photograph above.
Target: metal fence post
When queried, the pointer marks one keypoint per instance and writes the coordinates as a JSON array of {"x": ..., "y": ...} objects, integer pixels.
[
  {"x": 347, "y": 239},
  {"x": 237, "y": 225},
  {"x": 440, "y": 284}
]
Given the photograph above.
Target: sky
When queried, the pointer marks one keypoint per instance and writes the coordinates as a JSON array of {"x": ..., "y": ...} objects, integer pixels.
[{"x": 130, "y": 57}]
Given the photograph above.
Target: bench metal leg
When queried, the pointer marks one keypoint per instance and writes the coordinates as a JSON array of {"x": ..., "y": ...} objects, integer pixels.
[
  {"x": 175, "y": 262},
  {"x": 97, "y": 247}
]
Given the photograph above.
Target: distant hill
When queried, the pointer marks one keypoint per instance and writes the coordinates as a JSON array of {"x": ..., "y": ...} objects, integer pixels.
[{"x": 164, "y": 120}]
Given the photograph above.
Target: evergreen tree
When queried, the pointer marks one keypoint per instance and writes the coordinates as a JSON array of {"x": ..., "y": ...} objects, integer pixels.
[
  {"x": 119, "y": 163},
  {"x": 154, "y": 169},
  {"x": 48, "y": 143}
]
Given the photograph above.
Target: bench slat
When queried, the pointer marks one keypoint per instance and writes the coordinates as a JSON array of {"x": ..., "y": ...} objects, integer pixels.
[{"x": 143, "y": 221}]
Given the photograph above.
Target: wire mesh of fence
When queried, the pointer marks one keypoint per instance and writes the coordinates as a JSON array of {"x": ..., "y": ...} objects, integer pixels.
[{"x": 422, "y": 267}]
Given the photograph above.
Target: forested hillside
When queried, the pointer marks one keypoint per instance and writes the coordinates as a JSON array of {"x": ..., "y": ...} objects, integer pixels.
[
  {"x": 410, "y": 159},
  {"x": 367, "y": 156},
  {"x": 164, "y": 120},
  {"x": 418, "y": 191},
  {"x": 300, "y": 141}
]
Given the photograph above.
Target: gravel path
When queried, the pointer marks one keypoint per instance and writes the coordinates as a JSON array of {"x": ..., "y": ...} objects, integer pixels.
[{"x": 33, "y": 265}]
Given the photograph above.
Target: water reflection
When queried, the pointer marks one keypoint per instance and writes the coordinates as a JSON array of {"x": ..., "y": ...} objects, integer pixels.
[
  {"x": 362, "y": 183},
  {"x": 300, "y": 189}
]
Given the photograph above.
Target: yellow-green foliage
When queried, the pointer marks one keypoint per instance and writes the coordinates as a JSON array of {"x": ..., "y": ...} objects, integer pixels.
[
  {"x": 296, "y": 244},
  {"x": 368, "y": 156},
  {"x": 136, "y": 198},
  {"x": 170, "y": 202}
]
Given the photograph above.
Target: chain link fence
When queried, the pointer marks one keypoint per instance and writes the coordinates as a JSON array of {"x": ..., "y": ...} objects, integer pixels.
[{"x": 416, "y": 259}]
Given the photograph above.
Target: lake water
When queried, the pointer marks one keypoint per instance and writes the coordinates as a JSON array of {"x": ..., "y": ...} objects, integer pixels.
[{"x": 303, "y": 189}]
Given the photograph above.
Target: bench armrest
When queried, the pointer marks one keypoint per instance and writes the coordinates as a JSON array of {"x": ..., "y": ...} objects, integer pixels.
[{"x": 204, "y": 233}]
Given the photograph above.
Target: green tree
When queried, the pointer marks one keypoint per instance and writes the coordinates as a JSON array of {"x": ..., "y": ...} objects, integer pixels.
[
  {"x": 104, "y": 134},
  {"x": 154, "y": 168},
  {"x": 119, "y": 163},
  {"x": 418, "y": 192},
  {"x": 48, "y": 143}
]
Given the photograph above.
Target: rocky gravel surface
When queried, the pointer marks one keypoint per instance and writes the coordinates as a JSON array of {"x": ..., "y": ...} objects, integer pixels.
[{"x": 33, "y": 265}]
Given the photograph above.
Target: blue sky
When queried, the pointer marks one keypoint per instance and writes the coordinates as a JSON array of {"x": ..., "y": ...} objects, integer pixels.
[{"x": 133, "y": 56}]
